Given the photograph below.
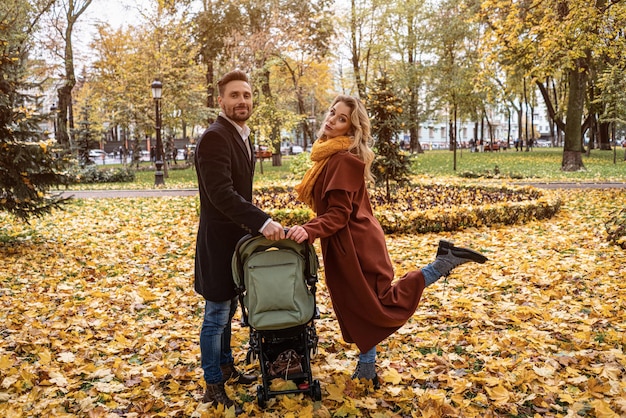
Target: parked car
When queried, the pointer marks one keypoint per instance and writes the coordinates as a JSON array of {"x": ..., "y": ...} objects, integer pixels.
[
  {"x": 296, "y": 149},
  {"x": 97, "y": 153},
  {"x": 287, "y": 148}
]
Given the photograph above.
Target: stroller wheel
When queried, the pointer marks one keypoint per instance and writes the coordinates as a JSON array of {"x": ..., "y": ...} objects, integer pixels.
[
  {"x": 316, "y": 391},
  {"x": 261, "y": 398}
]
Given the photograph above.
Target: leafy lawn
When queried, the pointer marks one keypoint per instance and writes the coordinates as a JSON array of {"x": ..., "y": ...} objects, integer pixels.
[
  {"x": 539, "y": 164},
  {"x": 99, "y": 319}
]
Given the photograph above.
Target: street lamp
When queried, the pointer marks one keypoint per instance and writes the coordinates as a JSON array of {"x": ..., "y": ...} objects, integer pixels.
[
  {"x": 53, "y": 111},
  {"x": 157, "y": 88}
]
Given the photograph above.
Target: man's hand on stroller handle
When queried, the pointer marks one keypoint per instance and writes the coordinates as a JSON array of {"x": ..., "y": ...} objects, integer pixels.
[
  {"x": 273, "y": 231},
  {"x": 298, "y": 234}
]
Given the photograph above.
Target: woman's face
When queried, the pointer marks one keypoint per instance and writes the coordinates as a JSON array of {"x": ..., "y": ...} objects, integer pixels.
[{"x": 337, "y": 122}]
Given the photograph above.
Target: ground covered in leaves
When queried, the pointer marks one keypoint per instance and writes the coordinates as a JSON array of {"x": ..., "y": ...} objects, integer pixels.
[{"x": 98, "y": 318}]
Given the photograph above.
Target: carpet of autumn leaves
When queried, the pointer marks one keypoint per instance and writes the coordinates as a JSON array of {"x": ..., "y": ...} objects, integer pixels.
[{"x": 98, "y": 318}]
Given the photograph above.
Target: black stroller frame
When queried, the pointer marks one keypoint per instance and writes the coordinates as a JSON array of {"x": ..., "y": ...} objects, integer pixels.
[{"x": 268, "y": 344}]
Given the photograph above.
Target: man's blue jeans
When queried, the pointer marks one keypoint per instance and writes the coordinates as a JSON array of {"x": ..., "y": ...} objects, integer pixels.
[{"x": 215, "y": 338}]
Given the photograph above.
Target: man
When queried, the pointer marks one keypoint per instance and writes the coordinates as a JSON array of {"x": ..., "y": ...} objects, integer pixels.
[{"x": 225, "y": 169}]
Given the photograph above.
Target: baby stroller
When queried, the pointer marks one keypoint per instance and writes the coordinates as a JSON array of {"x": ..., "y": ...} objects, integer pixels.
[{"x": 276, "y": 284}]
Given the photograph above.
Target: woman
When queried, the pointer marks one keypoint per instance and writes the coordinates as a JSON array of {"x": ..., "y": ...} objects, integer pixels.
[{"x": 357, "y": 266}]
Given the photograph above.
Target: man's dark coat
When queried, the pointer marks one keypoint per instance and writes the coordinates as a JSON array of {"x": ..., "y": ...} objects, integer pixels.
[{"x": 225, "y": 172}]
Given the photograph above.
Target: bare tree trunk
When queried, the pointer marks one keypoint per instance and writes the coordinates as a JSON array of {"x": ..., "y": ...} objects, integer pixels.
[
  {"x": 65, "y": 98},
  {"x": 526, "y": 136},
  {"x": 520, "y": 122},
  {"x": 73, "y": 10},
  {"x": 356, "y": 54},
  {"x": 572, "y": 152},
  {"x": 508, "y": 128},
  {"x": 604, "y": 135},
  {"x": 454, "y": 134},
  {"x": 210, "y": 89}
]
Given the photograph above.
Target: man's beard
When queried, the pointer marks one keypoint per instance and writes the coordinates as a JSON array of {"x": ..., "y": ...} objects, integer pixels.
[{"x": 236, "y": 116}]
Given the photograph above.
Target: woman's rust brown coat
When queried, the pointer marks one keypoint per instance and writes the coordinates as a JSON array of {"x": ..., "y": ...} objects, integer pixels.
[{"x": 358, "y": 270}]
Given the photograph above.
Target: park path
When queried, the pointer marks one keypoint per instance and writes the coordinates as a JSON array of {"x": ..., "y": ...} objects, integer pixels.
[
  {"x": 103, "y": 194},
  {"x": 574, "y": 185}
]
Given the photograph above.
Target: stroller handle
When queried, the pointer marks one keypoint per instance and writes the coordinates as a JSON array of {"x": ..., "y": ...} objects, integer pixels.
[{"x": 307, "y": 247}]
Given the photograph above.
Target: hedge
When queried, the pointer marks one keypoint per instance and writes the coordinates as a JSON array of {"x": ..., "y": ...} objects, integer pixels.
[{"x": 430, "y": 208}]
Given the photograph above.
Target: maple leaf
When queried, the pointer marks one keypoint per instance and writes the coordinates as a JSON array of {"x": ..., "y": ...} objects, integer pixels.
[
  {"x": 603, "y": 410},
  {"x": 498, "y": 394},
  {"x": 5, "y": 362},
  {"x": 391, "y": 375},
  {"x": 597, "y": 389},
  {"x": 335, "y": 392}
]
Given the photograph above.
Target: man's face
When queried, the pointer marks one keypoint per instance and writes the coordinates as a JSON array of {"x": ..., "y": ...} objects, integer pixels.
[{"x": 237, "y": 101}]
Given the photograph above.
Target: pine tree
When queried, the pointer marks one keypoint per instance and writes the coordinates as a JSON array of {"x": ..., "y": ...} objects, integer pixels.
[
  {"x": 29, "y": 164},
  {"x": 391, "y": 163},
  {"x": 84, "y": 138}
]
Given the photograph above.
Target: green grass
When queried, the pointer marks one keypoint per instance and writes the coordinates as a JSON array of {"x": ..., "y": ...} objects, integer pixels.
[
  {"x": 176, "y": 178},
  {"x": 540, "y": 164}
]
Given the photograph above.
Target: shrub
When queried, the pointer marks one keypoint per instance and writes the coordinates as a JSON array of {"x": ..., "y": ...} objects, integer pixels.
[
  {"x": 429, "y": 208},
  {"x": 489, "y": 174},
  {"x": 300, "y": 164},
  {"x": 92, "y": 174},
  {"x": 180, "y": 165}
]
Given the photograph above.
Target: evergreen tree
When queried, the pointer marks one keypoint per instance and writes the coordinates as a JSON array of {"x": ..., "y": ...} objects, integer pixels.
[
  {"x": 30, "y": 164},
  {"x": 391, "y": 163},
  {"x": 84, "y": 138}
]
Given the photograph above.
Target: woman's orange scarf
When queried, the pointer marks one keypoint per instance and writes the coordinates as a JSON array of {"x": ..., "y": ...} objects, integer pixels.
[{"x": 321, "y": 152}]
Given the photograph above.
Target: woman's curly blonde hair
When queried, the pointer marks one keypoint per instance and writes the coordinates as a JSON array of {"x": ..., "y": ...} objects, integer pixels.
[{"x": 361, "y": 132}]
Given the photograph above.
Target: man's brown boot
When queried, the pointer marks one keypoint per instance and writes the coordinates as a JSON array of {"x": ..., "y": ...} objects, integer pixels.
[
  {"x": 230, "y": 372},
  {"x": 215, "y": 394}
]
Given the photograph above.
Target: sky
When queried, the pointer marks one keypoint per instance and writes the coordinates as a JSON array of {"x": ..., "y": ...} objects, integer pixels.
[{"x": 117, "y": 13}]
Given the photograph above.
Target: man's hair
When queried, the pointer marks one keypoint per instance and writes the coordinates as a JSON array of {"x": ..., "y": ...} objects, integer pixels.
[{"x": 235, "y": 75}]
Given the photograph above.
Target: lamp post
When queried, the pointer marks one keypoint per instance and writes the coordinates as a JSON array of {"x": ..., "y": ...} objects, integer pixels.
[
  {"x": 157, "y": 88},
  {"x": 53, "y": 110}
]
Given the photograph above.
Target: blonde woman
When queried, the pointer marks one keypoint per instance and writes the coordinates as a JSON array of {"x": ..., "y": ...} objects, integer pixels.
[{"x": 358, "y": 270}]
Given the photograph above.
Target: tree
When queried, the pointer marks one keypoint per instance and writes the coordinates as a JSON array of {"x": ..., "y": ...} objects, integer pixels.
[
  {"x": 30, "y": 164},
  {"x": 65, "y": 18},
  {"x": 568, "y": 40},
  {"x": 408, "y": 37},
  {"x": 282, "y": 45},
  {"x": 390, "y": 164},
  {"x": 367, "y": 43},
  {"x": 301, "y": 51},
  {"x": 613, "y": 87},
  {"x": 453, "y": 42},
  {"x": 216, "y": 17},
  {"x": 84, "y": 138},
  {"x": 127, "y": 61}
]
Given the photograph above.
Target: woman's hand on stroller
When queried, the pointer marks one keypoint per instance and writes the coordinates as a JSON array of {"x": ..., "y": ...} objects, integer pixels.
[{"x": 297, "y": 234}]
